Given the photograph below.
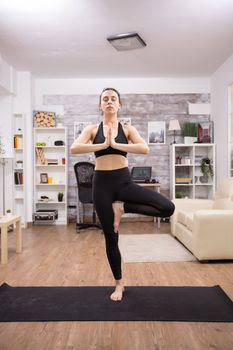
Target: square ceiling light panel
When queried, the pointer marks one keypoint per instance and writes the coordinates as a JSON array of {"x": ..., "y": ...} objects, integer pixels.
[{"x": 127, "y": 41}]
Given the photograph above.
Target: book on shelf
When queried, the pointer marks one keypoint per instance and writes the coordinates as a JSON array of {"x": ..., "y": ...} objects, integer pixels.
[
  {"x": 51, "y": 161},
  {"x": 19, "y": 178},
  {"x": 183, "y": 180}
]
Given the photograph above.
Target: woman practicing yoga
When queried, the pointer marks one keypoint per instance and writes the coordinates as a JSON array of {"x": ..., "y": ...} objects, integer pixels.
[{"x": 114, "y": 193}]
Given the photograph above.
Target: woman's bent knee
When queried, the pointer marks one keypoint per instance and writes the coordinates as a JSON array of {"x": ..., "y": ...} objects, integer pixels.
[{"x": 170, "y": 209}]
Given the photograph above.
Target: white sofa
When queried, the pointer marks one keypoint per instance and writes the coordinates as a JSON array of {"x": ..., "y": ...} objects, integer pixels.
[{"x": 205, "y": 227}]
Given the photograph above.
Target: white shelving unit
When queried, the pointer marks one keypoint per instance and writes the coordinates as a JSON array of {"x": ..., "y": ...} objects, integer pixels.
[
  {"x": 187, "y": 180},
  {"x": 56, "y": 174},
  {"x": 19, "y": 163}
]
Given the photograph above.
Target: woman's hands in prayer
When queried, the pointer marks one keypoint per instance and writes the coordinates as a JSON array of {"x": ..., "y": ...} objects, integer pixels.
[{"x": 109, "y": 132}]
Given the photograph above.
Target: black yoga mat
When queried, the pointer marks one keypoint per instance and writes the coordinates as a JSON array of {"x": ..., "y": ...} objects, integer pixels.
[{"x": 199, "y": 304}]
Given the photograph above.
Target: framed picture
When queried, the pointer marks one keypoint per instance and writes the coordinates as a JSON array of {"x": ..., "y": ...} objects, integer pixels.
[
  {"x": 156, "y": 132},
  {"x": 206, "y": 132},
  {"x": 44, "y": 119},
  {"x": 125, "y": 121},
  {"x": 43, "y": 178},
  {"x": 78, "y": 128}
]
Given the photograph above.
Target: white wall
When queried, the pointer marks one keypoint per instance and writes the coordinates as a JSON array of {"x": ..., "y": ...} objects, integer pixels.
[
  {"x": 6, "y": 124},
  {"x": 7, "y": 78},
  {"x": 6, "y": 136},
  {"x": 95, "y": 86},
  {"x": 220, "y": 81},
  {"x": 7, "y": 88}
]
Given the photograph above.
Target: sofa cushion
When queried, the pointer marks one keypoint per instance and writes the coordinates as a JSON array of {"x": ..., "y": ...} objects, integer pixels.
[
  {"x": 223, "y": 203},
  {"x": 189, "y": 221},
  {"x": 185, "y": 218}
]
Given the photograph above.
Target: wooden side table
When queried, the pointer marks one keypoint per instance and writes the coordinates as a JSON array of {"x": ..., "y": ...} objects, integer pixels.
[{"x": 5, "y": 222}]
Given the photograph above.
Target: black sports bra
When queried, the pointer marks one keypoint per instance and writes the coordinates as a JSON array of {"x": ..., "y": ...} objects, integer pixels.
[{"x": 99, "y": 138}]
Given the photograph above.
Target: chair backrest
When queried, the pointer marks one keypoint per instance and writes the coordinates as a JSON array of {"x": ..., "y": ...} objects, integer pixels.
[
  {"x": 224, "y": 195},
  {"x": 84, "y": 173}
]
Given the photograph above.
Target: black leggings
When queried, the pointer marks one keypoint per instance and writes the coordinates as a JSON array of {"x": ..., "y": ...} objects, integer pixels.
[{"x": 116, "y": 185}]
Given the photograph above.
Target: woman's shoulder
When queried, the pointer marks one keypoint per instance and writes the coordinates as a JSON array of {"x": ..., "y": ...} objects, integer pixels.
[
  {"x": 92, "y": 129},
  {"x": 91, "y": 126},
  {"x": 128, "y": 127}
]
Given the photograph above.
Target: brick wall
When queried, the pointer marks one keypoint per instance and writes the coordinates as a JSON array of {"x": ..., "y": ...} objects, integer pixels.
[{"x": 141, "y": 108}]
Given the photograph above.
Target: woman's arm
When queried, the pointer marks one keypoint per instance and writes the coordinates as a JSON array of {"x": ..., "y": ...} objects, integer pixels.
[
  {"x": 83, "y": 143},
  {"x": 137, "y": 145}
]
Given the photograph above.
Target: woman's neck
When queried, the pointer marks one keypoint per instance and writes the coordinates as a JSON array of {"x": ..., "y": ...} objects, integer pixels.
[{"x": 110, "y": 119}]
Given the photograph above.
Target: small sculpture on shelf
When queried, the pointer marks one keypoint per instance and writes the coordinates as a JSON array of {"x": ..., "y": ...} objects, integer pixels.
[{"x": 40, "y": 155}]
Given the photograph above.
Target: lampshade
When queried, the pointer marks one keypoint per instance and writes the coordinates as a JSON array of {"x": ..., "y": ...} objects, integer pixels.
[
  {"x": 174, "y": 125},
  {"x": 126, "y": 41}
]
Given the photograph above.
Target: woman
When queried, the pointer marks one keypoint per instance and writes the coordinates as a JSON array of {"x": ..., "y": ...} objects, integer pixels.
[{"x": 113, "y": 191}]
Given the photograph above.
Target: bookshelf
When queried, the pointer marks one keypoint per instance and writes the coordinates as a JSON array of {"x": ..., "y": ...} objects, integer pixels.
[
  {"x": 19, "y": 162},
  {"x": 186, "y": 179},
  {"x": 50, "y": 171}
]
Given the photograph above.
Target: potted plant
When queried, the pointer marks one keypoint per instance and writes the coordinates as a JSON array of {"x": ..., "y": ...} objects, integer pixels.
[
  {"x": 190, "y": 132},
  {"x": 206, "y": 169},
  {"x": 19, "y": 164},
  {"x": 60, "y": 196},
  {"x": 8, "y": 212},
  {"x": 179, "y": 195}
]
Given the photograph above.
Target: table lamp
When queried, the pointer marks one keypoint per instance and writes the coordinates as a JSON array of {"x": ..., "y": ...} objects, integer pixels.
[{"x": 174, "y": 126}]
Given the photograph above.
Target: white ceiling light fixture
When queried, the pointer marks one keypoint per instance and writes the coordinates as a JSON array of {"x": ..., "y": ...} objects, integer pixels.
[{"x": 126, "y": 41}]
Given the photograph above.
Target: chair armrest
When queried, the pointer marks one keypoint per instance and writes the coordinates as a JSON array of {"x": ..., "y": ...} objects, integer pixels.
[{"x": 188, "y": 205}]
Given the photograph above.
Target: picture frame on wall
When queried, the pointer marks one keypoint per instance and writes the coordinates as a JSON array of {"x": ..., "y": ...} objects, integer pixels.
[
  {"x": 78, "y": 128},
  {"x": 44, "y": 119},
  {"x": 156, "y": 133},
  {"x": 206, "y": 132}
]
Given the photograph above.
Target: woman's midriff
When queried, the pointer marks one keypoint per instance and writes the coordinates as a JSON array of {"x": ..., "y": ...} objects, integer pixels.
[{"x": 111, "y": 162}]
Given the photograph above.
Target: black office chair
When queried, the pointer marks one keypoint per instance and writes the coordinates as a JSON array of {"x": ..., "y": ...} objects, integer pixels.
[{"x": 84, "y": 174}]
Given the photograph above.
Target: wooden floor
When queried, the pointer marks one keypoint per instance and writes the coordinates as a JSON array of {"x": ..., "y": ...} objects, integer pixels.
[{"x": 57, "y": 256}]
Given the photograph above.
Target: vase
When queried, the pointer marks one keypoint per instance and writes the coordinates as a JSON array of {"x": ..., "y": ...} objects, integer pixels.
[
  {"x": 60, "y": 197},
  {"x": 189, "y": 139},
  {"x": 203, "y": 179}
]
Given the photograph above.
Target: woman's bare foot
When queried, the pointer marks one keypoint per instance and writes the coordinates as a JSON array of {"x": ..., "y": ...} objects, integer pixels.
[
  {"x": 118, "y": 293},
  {"x": 118, "y": 209}
]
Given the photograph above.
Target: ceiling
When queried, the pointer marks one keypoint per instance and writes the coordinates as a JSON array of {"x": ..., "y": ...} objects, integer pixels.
[{"x": 67, "y": 38}]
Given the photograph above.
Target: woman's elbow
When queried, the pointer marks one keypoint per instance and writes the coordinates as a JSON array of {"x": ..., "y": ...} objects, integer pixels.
[
  {"x": 146, "y": 150},
  {"x": 73, "y": 149}
]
